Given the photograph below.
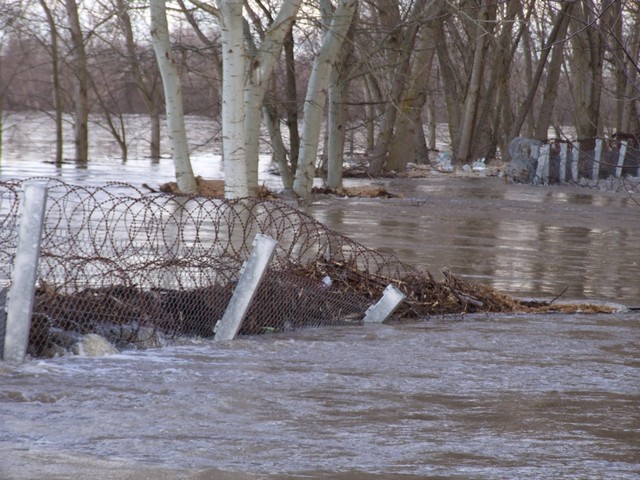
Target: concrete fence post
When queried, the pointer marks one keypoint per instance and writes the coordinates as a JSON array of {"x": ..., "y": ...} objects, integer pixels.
[
  {"x": 542, "y": 172},
  {"x": 596, "y": 160},
  {"x": 25, "y": 270},
  {"x": 250, "y": 278},
  {"x": 391, "y": 298},
  {"x": 563, "y": 162},
  {"x": 575, "y": 158},
  {"x": 621, "y": 155}
]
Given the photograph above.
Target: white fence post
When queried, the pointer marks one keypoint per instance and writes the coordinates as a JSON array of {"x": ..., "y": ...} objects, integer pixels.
[
  {"x": 250, "y": 278},
  {"x": 25, "y": 270},
  {"x": 391, "y": 298},
  {"x": 563, "y": 162},
  {"x": 542, "y": 172},
  {"x": 621, "y": 155},
  {"x": 575, "y": 158},
  {"x": 596, "y": 160}
]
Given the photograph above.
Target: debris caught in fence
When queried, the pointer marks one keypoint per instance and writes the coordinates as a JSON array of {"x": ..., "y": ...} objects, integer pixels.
[{"x": 142, "y": 269}]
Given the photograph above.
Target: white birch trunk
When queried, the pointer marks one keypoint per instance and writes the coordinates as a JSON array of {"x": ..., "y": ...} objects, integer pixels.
[
  {"x": 317, "y": 94},
  {"x": 233, "y": 107},
  {"x": 260, "y": 73},
  {"x": 173, "y": 97}
]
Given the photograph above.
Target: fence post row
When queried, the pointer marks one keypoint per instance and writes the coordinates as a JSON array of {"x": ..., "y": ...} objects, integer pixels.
[
  {"x": 22, "y": 290},
  {"x": 25, "y": 270}
]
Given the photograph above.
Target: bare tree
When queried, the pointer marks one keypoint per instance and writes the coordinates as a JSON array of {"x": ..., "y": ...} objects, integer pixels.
[
  {"x": 173, "y": 97},
  {"x": 81, "y": 79},
  {"x": 317, "y": 94},
  {"x": 144, "y": 81}
]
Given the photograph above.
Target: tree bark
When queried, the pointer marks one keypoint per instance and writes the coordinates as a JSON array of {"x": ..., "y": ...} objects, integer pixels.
[
  {"x": 317, "y": 95},
  {"x": 464, "y": 148},
  {"x": 404, "y": 147},
  {"x": 551, "y": 84},
  {"x": 146, "y": 92},
  {"x": 527, "y": 105},
  {"x": 630, "y": 121},
  {"x": 57, "y": 93},
  {"x": 173, "y": 97},
  {"x": 233, "y": 106},
  {"x": 401, "y": 74},
  {"x": 337, "y": 113},
  {"x": 586, "y": 70},
  {"x": 258, "y": 80},
  {"x": 81, "y": 87}
]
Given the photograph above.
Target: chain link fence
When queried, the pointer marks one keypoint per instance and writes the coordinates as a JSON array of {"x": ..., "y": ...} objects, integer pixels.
[{"x": 142, "y": 270}]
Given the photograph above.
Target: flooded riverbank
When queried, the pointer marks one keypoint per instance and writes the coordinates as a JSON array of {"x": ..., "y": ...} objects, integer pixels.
[{"x": 473, "y": 397}]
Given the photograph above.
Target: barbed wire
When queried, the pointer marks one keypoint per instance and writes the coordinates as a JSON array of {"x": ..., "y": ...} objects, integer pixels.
[{"x": 142, "y": 269}]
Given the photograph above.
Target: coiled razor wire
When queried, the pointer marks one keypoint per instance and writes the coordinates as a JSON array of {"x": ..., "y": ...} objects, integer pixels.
[{"x": 142, "y": 269}]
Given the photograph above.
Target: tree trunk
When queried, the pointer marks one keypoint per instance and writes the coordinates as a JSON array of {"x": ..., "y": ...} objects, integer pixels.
[
  {"x": 404, "y": 147},
  {"x": 401, "y": 76},
  {"x": 233, "y": 106},
  {"x": 336, "y": 126},
  {"x": 258, "y": 79},
  {"x": 146, "y": 92},
  {"x": 501, "y": 54},
  {"x": 527, "y": 105},
  {"x": 551, "y": 84},
  {"x": 464, "y": 149},
  {"x": 447, "y": 76},
  {"x": 317, "y": 94},
  {"x": 81, "y": 87},
  {"x": 57, "y": 93},
  {"x": 173, "y": 97},
  {"x": 630, "y": 121},
  {"x": 586, "y": 70},
  {"x": 291, "y": 103},
  {"x": 272, "y": 121},
  {"x": 337, "y": 113}
]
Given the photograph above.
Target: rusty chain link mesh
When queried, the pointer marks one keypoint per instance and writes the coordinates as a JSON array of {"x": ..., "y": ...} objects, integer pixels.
[{"x": 141, "y": 269}]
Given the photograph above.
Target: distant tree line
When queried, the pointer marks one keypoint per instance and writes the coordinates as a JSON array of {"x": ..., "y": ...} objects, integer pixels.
[{"x": 377, "y": 75}]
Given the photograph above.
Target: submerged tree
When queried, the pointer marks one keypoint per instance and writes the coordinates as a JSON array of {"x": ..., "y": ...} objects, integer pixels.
[
  {"x": 81, "y": 81},
  {"x": 173, "y": 97}
]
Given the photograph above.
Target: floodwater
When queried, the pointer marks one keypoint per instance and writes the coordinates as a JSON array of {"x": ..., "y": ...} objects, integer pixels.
[{"x": 473, "y": 397}]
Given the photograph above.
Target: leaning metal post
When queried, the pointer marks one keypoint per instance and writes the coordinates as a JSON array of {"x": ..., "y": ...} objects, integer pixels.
[
  {"x": 391, "y": 298},
  {"x": 25, "y": 269},
  {"x": 250, "y": 277}
]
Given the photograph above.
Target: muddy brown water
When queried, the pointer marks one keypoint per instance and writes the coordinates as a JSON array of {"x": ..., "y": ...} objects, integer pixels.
[{"x": 473, "y": 397}]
